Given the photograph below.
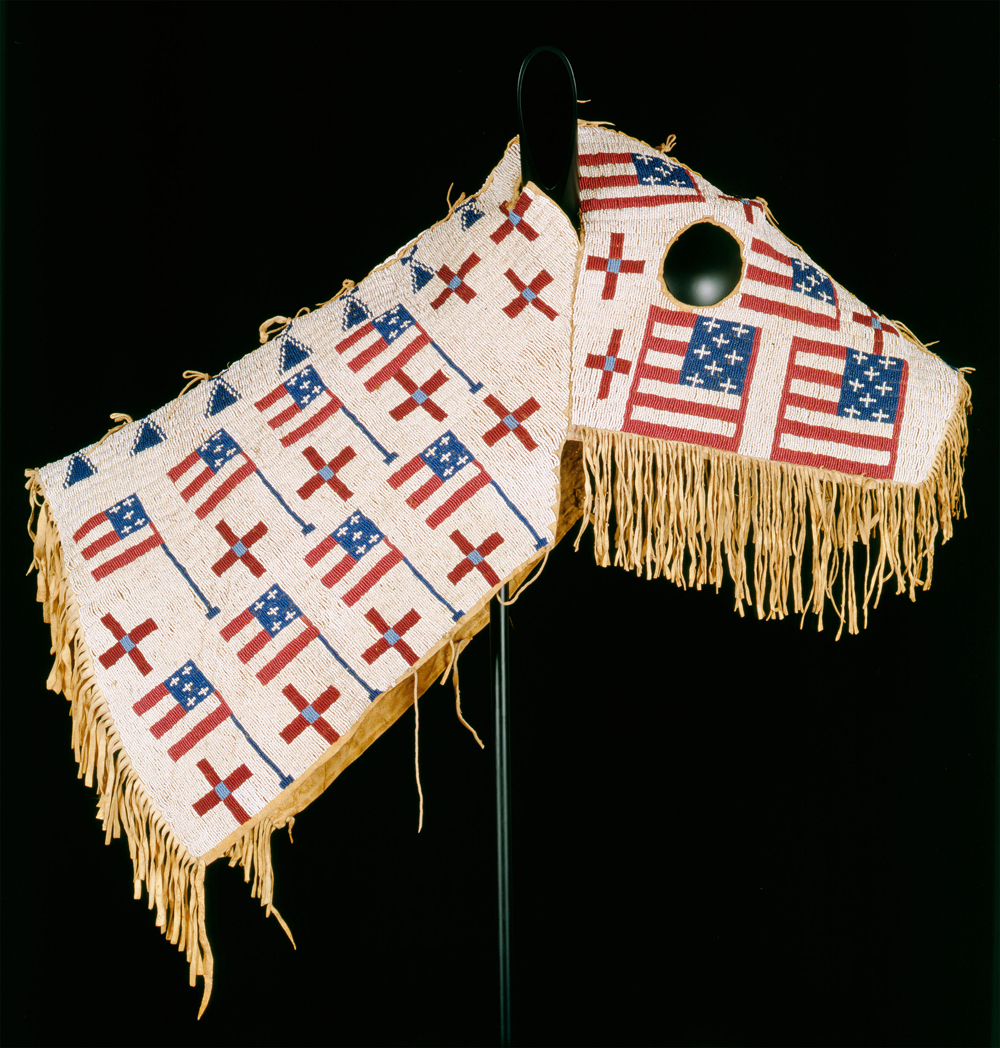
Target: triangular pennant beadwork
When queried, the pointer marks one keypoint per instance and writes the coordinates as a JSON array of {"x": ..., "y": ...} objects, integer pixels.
[
  {"x": 149, "y": 436},
  {"x": 355, "y": 312},
  {"x": 221, "y": 396},
  {"x": 420, "y": 275},
  {"x": 79, "y": 468},
  {"x": 293, "y": 353}
]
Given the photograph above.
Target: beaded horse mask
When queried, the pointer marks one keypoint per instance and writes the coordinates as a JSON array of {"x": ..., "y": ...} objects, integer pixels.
[{"x": 246, "y": 587}]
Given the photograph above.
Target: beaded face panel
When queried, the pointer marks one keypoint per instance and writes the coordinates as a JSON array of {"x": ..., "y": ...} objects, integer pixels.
[{"x": 787, "y": 366}]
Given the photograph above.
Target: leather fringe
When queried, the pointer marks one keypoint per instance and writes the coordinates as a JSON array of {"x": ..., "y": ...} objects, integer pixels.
[
  {"x": 252, "y": 851},
  {"x": 691, "y": 514},
  {"x": 174, "y": 879}
]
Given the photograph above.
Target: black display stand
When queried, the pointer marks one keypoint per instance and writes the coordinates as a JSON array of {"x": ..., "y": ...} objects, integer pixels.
[{"x": 500, "y": 658}]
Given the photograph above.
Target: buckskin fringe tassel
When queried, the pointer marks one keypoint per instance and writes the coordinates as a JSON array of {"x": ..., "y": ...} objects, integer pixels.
[
  {"x": 174, "y": 879},
  {"x": 252, "y": 851},
  {"x": 690, "y": 513}
]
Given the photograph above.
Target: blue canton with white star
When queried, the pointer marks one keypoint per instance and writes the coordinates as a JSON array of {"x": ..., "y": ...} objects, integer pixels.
[
  {"x": 661, "y": 171},
  {"x": 808, "y": 280},
  {"x": 718, "y": 356},
  {"x": 127, "y": 516},
  {"x": 393, "y": 322},
  {"x": 869, "y": 390},
  {"x": 446, "y": 456},
  {"x": 218, "y": 450},
  {"x": 305, "y": 386},
  {"x": 275, "y": 610},
  {"x": 357, "y": 535},
  {"x": 189, "y": 685}
]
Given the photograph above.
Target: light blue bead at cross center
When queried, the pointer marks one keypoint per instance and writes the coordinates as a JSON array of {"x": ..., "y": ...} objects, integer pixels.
[
  {"x": 614, "y": 264},
  {"x": 419, "y": 396},
  {"x": 390, "y": 636},
  {"x": 514, "y": 218},
  {"x": 476, "y": 557},
  {"x": 127, "y": 643},
  {"x": 222, "y": 790},
  {"x": 529, "y": 294},
  {"x": 239, "y": 549},
  {"x": 510, "y": 422},
  {"x": 310, "y": 714},
  {"x": 609, "y": 363},
  {"x": 455, "y": 282},
  {"x": 326, "y": 473}
]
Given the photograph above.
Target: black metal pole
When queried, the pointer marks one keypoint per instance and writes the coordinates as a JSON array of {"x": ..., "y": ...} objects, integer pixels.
[
  {"x": 546, "y": 110},
  {"x": 546, "y": 104},
  {"x": 500, "y": 657}
]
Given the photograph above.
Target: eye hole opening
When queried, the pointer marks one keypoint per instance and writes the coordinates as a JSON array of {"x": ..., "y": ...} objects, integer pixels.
[{"x": 702, "y": 265}]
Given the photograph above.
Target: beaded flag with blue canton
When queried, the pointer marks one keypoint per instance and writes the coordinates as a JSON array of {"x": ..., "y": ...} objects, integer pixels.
[
  {"x": 225, "y": 465},
  {"x": 357, "y": 536},
  {"x": 614, "y": 181},
  {"x": 387, "y": 328},
  {"x": 188, "y": 687},
  {"x": 126, "y": 530},
  {"x": 302, "y": 403},
  {"x": 297, "y": 393},
  {"x": 841, "y": 409},
  {"x": 690, "y": 378},
  {"x": 444, "y": 457},
  {"x": 788, "y": 287},
  {"x": 395, "y": 324},
  {"x": 275, "y": 611}
]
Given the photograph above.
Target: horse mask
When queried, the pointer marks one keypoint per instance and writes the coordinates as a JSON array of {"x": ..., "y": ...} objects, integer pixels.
[{"x": 248, "y": 586}]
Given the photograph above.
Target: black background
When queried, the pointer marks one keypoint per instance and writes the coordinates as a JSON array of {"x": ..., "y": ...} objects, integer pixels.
[{"x": 725, "y": 831}]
